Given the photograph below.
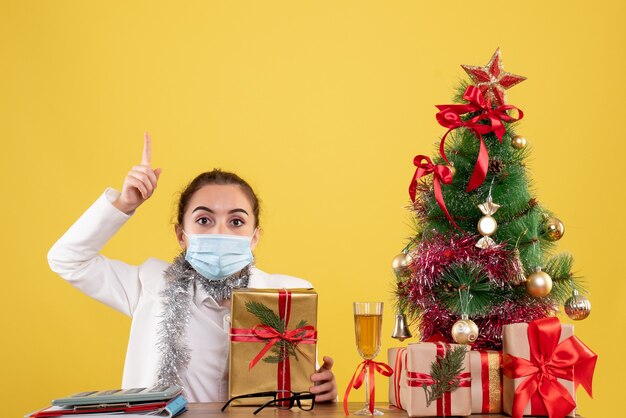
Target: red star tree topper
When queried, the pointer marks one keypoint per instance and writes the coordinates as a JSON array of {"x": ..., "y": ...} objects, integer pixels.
[{"x": 492, "y": 80}]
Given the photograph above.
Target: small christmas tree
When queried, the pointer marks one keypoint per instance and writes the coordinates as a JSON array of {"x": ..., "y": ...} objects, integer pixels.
[{"x": 481, "y": 254}]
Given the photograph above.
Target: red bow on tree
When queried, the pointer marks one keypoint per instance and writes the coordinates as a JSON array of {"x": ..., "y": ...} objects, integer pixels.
[
  {"x": 449, "y": 116},
  {"x": 441, "y": 174},
  {"x": 571, "y": 360}
]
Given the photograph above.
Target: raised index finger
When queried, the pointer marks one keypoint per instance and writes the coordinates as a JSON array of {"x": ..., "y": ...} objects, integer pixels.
[{"x": 146, "y": 157}]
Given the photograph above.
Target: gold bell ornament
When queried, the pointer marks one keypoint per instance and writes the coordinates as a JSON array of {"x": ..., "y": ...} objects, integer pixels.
[
  {"x": 401, "y": 329},
  {"x": 400, "y": 265}
]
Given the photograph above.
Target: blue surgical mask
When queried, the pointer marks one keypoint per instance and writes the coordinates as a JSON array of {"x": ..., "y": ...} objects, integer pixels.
[{"x": 217, "y": 256}]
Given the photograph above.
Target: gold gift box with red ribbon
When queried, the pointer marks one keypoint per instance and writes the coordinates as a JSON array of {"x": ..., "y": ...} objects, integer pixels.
[
  {"x": 275, "y": 354},
  {"x": 486, "y": 371},
  {"x": 419, "y": 359},
  {"x": 543, "y": 364}
]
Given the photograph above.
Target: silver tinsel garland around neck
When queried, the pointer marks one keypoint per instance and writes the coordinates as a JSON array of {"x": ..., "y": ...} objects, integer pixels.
[{"x": 177, "y": 297}]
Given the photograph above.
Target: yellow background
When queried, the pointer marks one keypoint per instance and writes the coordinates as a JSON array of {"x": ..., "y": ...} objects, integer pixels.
[{"x": 321, "y": 105}]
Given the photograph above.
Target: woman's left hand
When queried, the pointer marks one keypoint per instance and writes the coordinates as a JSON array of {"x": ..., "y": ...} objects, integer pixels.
[{"x": 325, "y": 388}]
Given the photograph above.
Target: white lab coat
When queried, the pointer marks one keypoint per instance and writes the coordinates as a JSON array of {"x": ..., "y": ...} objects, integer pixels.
[{"x": 136, "y": 292}]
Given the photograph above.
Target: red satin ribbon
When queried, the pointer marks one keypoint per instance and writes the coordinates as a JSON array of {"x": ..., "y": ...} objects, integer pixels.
[
  {"x": 487, "y": 407},
  {"x": 449, "y": 116},
  {"x": 441, "y": 174},
  {"x": 264, "y": 333},
  {"x": 284, "y": 367},
  {"x": 444, "y": 403},
  {"x": 367, "y": 366},
  {"x": 484, "y": 379},
  {"x": 397, "y": 375},
  {"x": 272, "y": 336},
  {"x": 570, "y": 359}
]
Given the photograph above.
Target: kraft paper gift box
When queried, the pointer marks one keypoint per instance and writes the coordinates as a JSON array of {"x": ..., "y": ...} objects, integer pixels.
[
  {"x": 397, "y": 391},
  {"x": 486, "y": 373},
  {"x": 272, "y": 343},
  {"x": 543, "y": 363},
  {"x": 420, "y": 357}
]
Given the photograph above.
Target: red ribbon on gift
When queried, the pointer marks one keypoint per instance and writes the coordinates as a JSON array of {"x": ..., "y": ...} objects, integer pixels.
[
  {"x": 444, "y": 403},
  {"x": 487, "y": 407},
  {"x": 367, "y": 366},
  {"x": 570, "y": 360},
  {"x": 304, "y": 334},
  {"x": 449, "y": 116},
  {"x": 397, "y": 374},
  {"x": 441, "y": 174},
  {"x": 264, "y": 333}
]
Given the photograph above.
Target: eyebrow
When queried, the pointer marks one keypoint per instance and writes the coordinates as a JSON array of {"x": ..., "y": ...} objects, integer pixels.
[{"x": 212, "y": 211}]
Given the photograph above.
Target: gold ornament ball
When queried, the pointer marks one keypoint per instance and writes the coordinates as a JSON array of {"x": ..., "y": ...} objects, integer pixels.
[
  {"x": 487, "y": 225},
  {"x": 553, "y": 229},
  {"x": 400, "y": 263},
  {"x": 464, "y": 331},
  {"x": 518, "y": 142},
  {"x": 577, "y": 307},
  {"x": 452, "y": 170},
  {"x": 539, "y": 284}
]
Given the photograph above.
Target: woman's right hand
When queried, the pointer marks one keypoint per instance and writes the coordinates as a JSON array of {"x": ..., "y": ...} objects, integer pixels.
[{"x": 140, "y": 182}]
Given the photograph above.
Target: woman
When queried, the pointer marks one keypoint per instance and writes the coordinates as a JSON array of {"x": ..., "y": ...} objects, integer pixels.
[{"x": 180, "y": 311}]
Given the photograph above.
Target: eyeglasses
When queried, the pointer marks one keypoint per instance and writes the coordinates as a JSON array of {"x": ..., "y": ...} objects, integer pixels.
[{"x": 295, "y": 398}]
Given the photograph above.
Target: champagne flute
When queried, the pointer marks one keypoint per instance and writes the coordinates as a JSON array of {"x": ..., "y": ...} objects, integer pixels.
[{"x": 368, "y": 319}]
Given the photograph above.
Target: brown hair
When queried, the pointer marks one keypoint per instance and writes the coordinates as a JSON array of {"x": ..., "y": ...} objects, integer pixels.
[{"x": 217, "y": 176}]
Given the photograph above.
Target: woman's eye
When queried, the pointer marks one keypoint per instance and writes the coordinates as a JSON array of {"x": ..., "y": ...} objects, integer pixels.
[
  {"x": 238, "y": 222},
  {"x": 203, "y": 220}
]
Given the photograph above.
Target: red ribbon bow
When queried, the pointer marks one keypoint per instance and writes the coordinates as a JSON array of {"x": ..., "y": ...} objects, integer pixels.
[
  {"x": 359, "y": 377},
  {"x": 441, "y": 174},
  {"x": 272, "y": 336},
  {"x": 571, "y": 360},
  {"x": 449, "y": 116}
]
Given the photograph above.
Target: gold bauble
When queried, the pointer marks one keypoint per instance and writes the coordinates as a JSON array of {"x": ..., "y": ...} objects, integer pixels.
[
  {"x": 400, "y": 263},
  {"x": 452, "y": 170},
  {"x": 553, "y": 229},
  {"x": 487, "y": 225},
  {"x": 464, "y": 331},
  {"x": 577, "y": 307},
  {"x": 518, "y": 142},
  {"x": 538, "y": 283}
]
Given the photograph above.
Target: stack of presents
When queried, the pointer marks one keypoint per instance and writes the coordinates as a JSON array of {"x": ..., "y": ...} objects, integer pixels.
[{"x": 536, "y": 373}]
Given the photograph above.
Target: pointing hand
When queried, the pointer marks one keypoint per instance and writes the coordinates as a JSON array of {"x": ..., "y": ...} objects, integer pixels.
[{"x": 140, "y": 182}]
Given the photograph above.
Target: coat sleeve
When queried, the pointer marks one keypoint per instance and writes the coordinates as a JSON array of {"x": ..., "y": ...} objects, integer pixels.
[{"x": 75, "y": 257}]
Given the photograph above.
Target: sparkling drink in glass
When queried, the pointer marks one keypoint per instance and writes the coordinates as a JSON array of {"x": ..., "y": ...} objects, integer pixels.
[{"x": 368, "y": 320}]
